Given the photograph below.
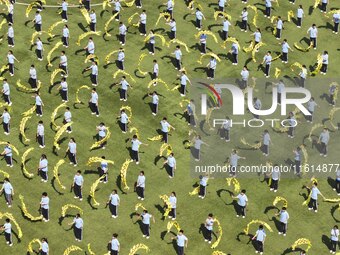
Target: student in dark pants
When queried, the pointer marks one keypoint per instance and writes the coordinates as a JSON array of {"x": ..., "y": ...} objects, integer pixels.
[
  {"x": 334, "y": 239},
  {"x": 8, "y": 154},
  {"x": 43, "y": 168},
  {"x": 78, "y": 225},
  {"x": 114, "y": 245},
  {"x": 45, "y": 206},
  {"x": 41, "y": 134},
  {"x": 242, "y": 201},
  {"x": 297, "y": 160},
  {"x": 275, "y": 178},
  {"x": 209, "y": 224},
  {"x": 44, "y": 250},
  {"x": 203, "y": 186},
  {"x": 146, "y": 217},
  {"x": 259, "y": 237},
  {"x": 284, "y": 216},
  {"x": 314, "y": 192},
  {"x": 140, "y": 186},
  {"x": 6, "y": 118},
  {"x": 7, "y": 228},
  {"x": 77, "y": 185},
  {"x": 113, "y": 203},
  {"x": 182, "y": 242},
  {"x": 93, "y": 103},
  {"x": 72, "y": 151}
]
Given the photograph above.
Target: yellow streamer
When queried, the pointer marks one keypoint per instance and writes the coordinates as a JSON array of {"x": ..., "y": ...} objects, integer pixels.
[
  {"x": 220, "y": 231},
  {"x": 107, "y": 58},
  {"x": 23, "y": 159},
  {"x": 158, "y": 80},
  {"x": 257, "y": 46},
  {"x": 246, "y": 230},
  {"x": 123, "y": 172},
  {"x": 5, "y": 174},
  {"x": 303, "y": 49},
  {"x": 54, "y": 114},
  {"x": 233, "y": 181},
  {"x": 119, "y": 71},
  {"x": 83, "y": 35},
  {"x": 302, "y": 241},
  {"x": 30, "y": 245},
  {"x": 93, "y": 189},
  {"x": 165, "y": 199},
  {"x": 59, "y": 133},
  {"x": 219, "y": 13},
  {"x": 138, "y": 247},
  {"x": 139, "y": 205},
  {"x": 164, "y": 15},
  {"x": 86, "y": 15},
  {"x": 22, "y": 128},
  {"x": 172, "y": 224},
  {"x": 209, "y": 54},
  {"x": 68, "y": 206},
  {"x": 331, "y": 116},
  {"x": 290, "y": 15},
  {"x": 207, "y": 32},
  {"x": 54, "y": 74},
  {"x": 141, "y": 57},
  {"x": 12, "y": 146},
  {"x": 180, "y": 43},
  {"x": 71, "y": 249},
  {"x": 280, "y": 199},
  {"x": 53, "y": 26},
  {"x": 11, "y": 217},
  {"x": 58, "y": 44},
  {"x": 100, "y": 142},
  {"x": 26, "y": 213},
  {"x": 97, "y": 160},
  {"x": 78, "y": 101},
  {"x": 130, "y": 19},
  {"x": 255, "y": 146},
  {"x": 277, "y": 72},
  {"x": 56, "y": 172},
  {"x": 107, "y": 23}
]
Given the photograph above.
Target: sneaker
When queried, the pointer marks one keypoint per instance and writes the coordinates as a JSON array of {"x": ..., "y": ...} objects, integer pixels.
[
  {"x": 75, "y": 197},
  {"x": 209, "y": 242},
  {"x": 205, "y": 240},
  {"x": 309, "y": 208},
  {"x": 11, "y": 244},
  {"x": 80, "y": 199},
  {"x": 275, "y": 190},
  {"x": 280, "y": 233},
  {"x": 243, "y": 217},
  {"x": 284, "y": 234},
  {"x": 315, "y": 211},
  {"x": 144, "y": 235},
  {"x": 142, "y": 199},
  {"x": 271, "y": 189},
  {"x": 147, "y": 237}
]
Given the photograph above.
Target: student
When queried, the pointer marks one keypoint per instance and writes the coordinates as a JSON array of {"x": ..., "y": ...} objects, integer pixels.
[
  {"x": 323, "y": 7},
  {"x": 117, "y": 9},
  {"x": 6, "y": 118},
  {"x": 225, "y": 30},
  {"x": 94, "y": 73},
  {"x": 221, "y": 5},
  {"x": 244, "y": 20},
  {"x": 311, "y": 108},
  {"x": 43, "y": 168},
  {"x": 10, "y": 35},
  {"x": 45, "y": 206},
  {"x": 72, "y": 151},
  {"x": 225, "y": 129},
  {"x": 170, "y": 8},
  {"x": 260, "y": 237},
  {"x": 300, "y": 14},
  {"x": 113, "y": 203},
  {"x": 155, "y": 71},
  {"x": 93, "y": 22},
  {"x": 37, "y": 22},
  {"x": 209, "y": 224},
  {"x": 173, "y": 203},
  {"x": 78, "y": 226},
  {"x": 64, "y": 6},
  {"x": 337, "y": 182},
  {"x": 120, "y": 59},
  {"x": 234, "y": 53},
  {"x": 336, "y": 20},
  {"x": 146, "y": 223},
  {"x": 280, "y": 89},
  {"x": 203, "y": 186},
  {"x": 285, "y": 49},
  {"x": 6, "y": 92},
  {"x": 7, "y": 228},
  {"x": 279, "y": 27},
  {"x": 33, "y": 77},
  {"x": 171, "y": 163},
  {"x": 10, "y": 59},
  {"x": 267, "y": 60},
  {"x": 203, "y": 42},
  {"x": 184, "y": 79},
  {"x": 313, "y": 34},
  {"x": 182, "y": 241},
  {"x": 314, "y": 192},
  {"x": 211, "y": 68},
  {"x": 266, "y": 141},
  {"x": 104, "y": 167},
  {"x": 124, "y": 120},
  {"x": 242, "y": 201},
  {"x": 191, "y": 111},
  {"x": 114, "y": 245},
  {"x": 244, "y": 77},
  {"x": 123, "y": 90},
  {"x": 268, "y": 4},
  {"x": 165, "y": 128},
  {"x": 7, "y": 153},
  {"x": 63, "y": 64},
  {"x": 87, "y": 4},
  {"x": 334, "y": 239},
  {"x": 122, "y": 33},
  {"x": 138, "y": 4},
  {"x": 257, "y": 104},
  {"x": 173, "y": 28},
  {"x": 10, "y": 12},
  {"x": 90, "y": 47},
  {"x": 332, "y": 92},
  {"x": 199, "y": 17},
  {"x": 284, "y": 216},
  {"x": 142, "y": 23},
  {"x": 292, "y": 123},
  {"x": 196, "y": 148},
  {"x": 135, "y": 149},
  {"x": 324, "y": 66},
  {"x": 297, "y": 160},
  {"x": 38, "y": 104},
  {"x": 140, "y": 186},
  {"x": 152, "y": 42},
  {"x": 44, "y": 250},
  {"x": 275, "y": 178},
  {"x": 178, "y": 57},
  {"x": 257, "y": 37},
  {"x": 234, "y": 157},
  {"x": 324, "y": 140},
  {"x": 154, "y": 103},
  {"x": 303, "y": 76},
  {"x": 41, "y": 134},
  {"x": 102, "y": 130},
  {"x": 67, "y": 119},
  {"x": 66, "y": 36},
  {"x": 93, "y": 103},
  {"x": 77, "y": 185},
  {"x": 63, "y": 88},
  {"x": 8, "y": 191}
]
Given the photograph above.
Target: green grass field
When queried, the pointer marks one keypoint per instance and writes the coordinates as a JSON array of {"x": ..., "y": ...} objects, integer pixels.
[{"x": 99, "y": 226}]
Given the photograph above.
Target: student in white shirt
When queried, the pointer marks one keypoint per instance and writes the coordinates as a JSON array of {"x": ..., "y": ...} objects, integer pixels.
[
  {"x": 77, "y": 185},
  {"x": 39, "y": 49},
  {"x": 66, "y": 36},
  {"x": 267, "y": 60},
  {"x": 209, "y": 225},
  {"x": 121, "y": 59},
  {"x": 244, "y": 20},
  {"x": 6, "y": 92},
  {"x": 324, "y": 66},
  {"x": 64, "y": 6},
  {"x": 135, "y": 143},
  {"x": 170, "y": 7},
  {"x": 244, "y": 77},
  {"x": 299, "y": 15},
  {"x": 6, "y": 118},
  {"x": 199, "y": 17},
  {"x": 72, "y": 151},
  {"x": 33, "y": 77},
  {"x": 41, "y": 134},
  {"x": 182, "y": 241},
  {"x": 117, "y": 9},
  {"x": 184, "y": 80},
  {"x": 8, "y": 190},
  {"x": 146, "y": 220},
  {"x": 225, "y": 30},
  {"x": 11, "y": 58},
  {"x": 323, "y": 7},
  {"x": 44, "y": 250},
  {"x": 140, "y": 186},
  {"x": 7, "y": 228},
  {"x": 211, "y": 68},
  {"x": 155, "y": 71},
  {"x": 173, "y": 203},
  {"x": 94, "y": 73},
  {"x": 336, "y": 20},
  {"x": 90, "y": 46},
  {"x": 260, "y": 237},
  {"x": 45, "y": 207},
  {"x": 142, "y": 23},
  {"x": 154, "y": 103},
  {"x": 114, "y": 245},
  {"x": 10, "y": 35},
  {"x": 152, "y": 42},
  {"x": 314, "y": 192},
  {"x": 93, "y": 18},
  {"x": 284, "y": 217},
  {"x": 63, "y": 64},
  {"x": 279, "y": 27},
  {"x": 87, "y": 4},
  {"x": 102, "y": 130},
  {"x": 173, "y": 28},
  {"x": 37, "y": 22},
  {"x": 38, "y": 104},
  {"x": 313, "y": 34},
  {"x": 10, "y": 12},
  {"x": 122, "y": 33},
  {"x": 242, "y": 202},
  {"x": 43, "y": 168},
  {"x": 303, "y": 76},
  {"x": 78, "y": 226},
  {"x": 94, "y": 102},
  {"x": 171, "y": 164},
  {"x": 67, "y": 119},
  {"x": 178, "y": 57},
  {"x": 334, "y": 239},
  {"x": 123, "y": 121},
  {"x": 165, "y": 128},
  {"x": 113, "y": 203},
  {"x": 63, "y": 89}
]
